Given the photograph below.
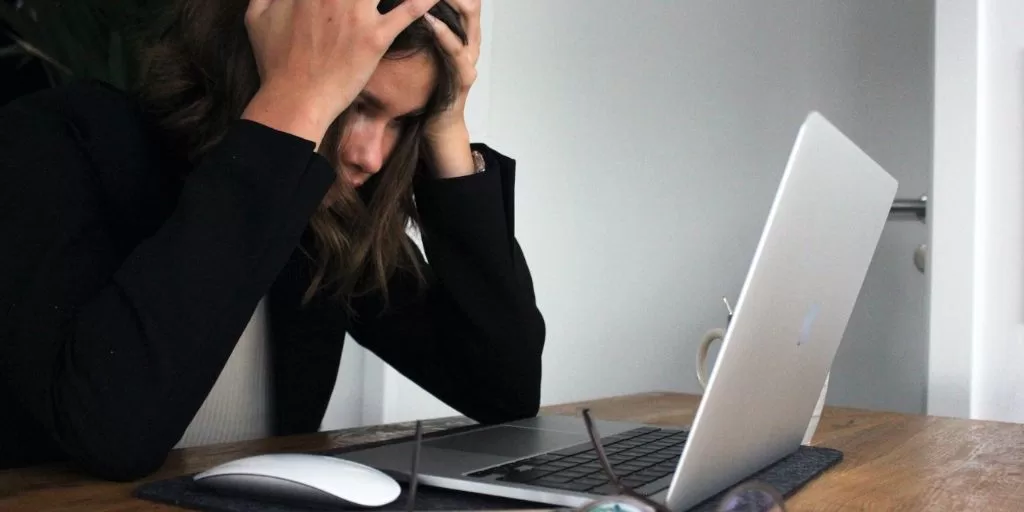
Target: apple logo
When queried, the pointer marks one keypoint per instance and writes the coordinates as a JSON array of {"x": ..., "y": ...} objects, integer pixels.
[{"x": 805, "y": 329}]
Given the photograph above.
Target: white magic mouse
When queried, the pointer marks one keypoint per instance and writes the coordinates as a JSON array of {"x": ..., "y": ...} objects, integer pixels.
[{"x": 303, "y": 477}]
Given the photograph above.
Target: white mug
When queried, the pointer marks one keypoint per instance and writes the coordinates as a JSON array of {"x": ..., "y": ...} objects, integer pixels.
[{"x": 718, "y": 334}]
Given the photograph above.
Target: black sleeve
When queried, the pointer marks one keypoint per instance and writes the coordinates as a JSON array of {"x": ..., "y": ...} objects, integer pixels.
[
  {"x": 112, "y": 356},
  {"x": 474, "y": 337}
]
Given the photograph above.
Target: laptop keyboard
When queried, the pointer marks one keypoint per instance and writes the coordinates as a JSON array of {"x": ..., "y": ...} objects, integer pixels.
[{"x": 643, "y": 458}]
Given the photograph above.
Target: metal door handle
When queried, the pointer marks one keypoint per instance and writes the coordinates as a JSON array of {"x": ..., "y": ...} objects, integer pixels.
[{"x": 918, "y": 207}]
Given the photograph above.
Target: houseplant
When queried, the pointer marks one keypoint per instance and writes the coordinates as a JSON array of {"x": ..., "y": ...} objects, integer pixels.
[{"x": 79, "y": 39}]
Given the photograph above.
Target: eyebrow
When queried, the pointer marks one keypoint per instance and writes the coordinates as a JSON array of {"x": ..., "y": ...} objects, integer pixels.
[{"x": 377, "y": 104}]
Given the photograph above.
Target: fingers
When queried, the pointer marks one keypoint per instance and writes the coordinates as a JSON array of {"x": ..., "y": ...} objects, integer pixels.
[
  {"x": 464, "y": 56},
  {"x": 470, "y": 12},
  {"x": 407, "y": 12},
  {"x": 448, "y": 39},
  {"x": 256, "y": 8}
]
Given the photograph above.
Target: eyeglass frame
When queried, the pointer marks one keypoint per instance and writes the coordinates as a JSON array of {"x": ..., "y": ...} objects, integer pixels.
[{"x": 625, "y": 491}]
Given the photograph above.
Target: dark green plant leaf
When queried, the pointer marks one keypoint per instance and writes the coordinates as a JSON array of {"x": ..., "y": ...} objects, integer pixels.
[
  {"x": 12, "y": 50},
  {"x": 50, "y": 37},
  {"x": 22, "y": 25},
  {"x": 116, "y": 62},
  {"x": 86, "y": 29},
  {"x": 16, "y": 19},
  {"x": 90, "y": 38}
]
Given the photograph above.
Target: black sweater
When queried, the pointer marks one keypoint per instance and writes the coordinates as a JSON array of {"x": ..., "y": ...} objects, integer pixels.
[{"x": 126, "y": 278}]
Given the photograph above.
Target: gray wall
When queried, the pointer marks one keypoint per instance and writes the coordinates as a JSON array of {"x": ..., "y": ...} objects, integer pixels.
[{"x": 650, "y": 137}]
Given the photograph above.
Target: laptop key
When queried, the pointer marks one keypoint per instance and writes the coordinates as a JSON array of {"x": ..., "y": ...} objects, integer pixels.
[
  {"x": 655, "y": 487},
  {"x": 572, "y": 486},
  {"x": 634, "y": 482},
  {"x": 576, "y": 461},
  {"x": 595, "y": 474},
  {"x": 542, "y": 459},
  {"x": 578, "y": 471},
  {"x": 560, "y": 464},
  {"x": 592, "y": 482},
  {"x": 649, "y": 474},
  {"x": 552, "y": 479},
  {"x": 605, "y": 489},
  {"x": 614, "y": 450},
  {"x": 651, "y": 436}
]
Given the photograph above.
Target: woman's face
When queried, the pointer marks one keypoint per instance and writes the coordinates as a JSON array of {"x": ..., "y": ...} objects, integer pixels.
[{"x": 396, "y": 94}]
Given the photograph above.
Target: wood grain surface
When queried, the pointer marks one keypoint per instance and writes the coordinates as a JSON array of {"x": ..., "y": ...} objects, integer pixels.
[{"x": 892, "y": 461}]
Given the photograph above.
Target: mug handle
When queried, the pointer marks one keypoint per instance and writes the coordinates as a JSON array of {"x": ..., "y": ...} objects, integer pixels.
[{"x": 710, "y": 337}]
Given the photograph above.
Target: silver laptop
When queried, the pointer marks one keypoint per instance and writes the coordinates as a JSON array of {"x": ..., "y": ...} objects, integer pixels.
[{"x": 806, "y": 274}]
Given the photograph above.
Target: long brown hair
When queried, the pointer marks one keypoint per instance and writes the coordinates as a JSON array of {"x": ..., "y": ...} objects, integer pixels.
[{"x": 199, "y": 75}]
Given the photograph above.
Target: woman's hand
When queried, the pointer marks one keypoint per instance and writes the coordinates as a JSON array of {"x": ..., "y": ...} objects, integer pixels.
[
  {"x": 446, "y": 133},
  {"x": 314, "y": 56}
]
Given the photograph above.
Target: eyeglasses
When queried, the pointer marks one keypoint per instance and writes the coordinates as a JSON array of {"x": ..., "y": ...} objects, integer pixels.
[{"x": 747, "y": 497}]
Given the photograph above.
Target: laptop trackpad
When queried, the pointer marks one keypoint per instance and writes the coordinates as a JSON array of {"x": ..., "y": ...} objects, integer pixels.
[{"x": 508, "y": 441}]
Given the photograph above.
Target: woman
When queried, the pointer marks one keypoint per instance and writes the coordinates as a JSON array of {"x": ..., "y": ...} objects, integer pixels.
[{"x": 277, "y": 149}]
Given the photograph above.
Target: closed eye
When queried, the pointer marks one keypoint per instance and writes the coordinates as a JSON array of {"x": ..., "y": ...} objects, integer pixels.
[{"x": 407, "y": 120}]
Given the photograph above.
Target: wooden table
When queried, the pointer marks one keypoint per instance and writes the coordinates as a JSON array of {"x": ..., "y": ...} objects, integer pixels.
[{"x": 892, "y": 461}]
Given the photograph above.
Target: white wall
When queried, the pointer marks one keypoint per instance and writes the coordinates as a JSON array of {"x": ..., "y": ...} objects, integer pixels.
[
  {"x": 952, "y": 213},
  {"x": 978, "y": 291},
  {"x": 650, "y": 138},
  {"x": 998, "y": 383},
  {"x": 346, "y": 408}
]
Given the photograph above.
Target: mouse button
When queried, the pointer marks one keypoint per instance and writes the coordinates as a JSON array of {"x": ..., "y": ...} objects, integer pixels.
[
  {"x": 357, "y": 483},
  {"x": 271, "y": 465},
  {"x": 268, "y": 487}
]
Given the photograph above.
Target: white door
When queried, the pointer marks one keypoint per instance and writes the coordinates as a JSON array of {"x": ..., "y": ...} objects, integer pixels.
[
  {"x": 977, "y": 287},
  {"x": 883, "y": 360}
]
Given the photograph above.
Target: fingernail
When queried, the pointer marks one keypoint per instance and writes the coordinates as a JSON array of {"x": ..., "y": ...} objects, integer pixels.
[{"x": 431, "y": 18}]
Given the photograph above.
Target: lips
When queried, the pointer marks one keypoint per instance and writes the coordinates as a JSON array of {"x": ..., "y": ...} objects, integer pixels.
[{"x": 354, "y": 178}]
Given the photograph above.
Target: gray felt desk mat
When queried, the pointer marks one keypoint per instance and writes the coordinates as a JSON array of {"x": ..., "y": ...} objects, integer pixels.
[{"x": 787, "y": 476}]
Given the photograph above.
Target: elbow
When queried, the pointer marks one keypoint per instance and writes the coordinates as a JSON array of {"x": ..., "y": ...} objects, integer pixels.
[
  {"x": 524, "y": 407},
  {"x": 508, "y": 387},
  {"x": 125, "y": 472},
  {"x": 117, "y": 453},
  {"x": 508, "y": 409},
  {"x": 524, "y": 401},
  {"x": 518, "y": 395},
  {"x": 510, "y": 394},
  {"x": 123, "y": 462}
]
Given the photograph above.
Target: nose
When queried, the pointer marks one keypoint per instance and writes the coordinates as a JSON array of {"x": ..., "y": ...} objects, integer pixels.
[{"x": 363, "y": 146}]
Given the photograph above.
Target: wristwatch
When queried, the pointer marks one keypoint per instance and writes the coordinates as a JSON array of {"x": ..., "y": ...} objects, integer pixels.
[{"x": 478, "y": 162}]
